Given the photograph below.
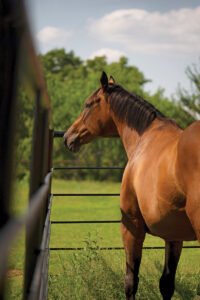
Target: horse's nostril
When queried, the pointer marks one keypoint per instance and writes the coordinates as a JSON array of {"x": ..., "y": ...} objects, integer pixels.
[
  {"x": 71, "y": 144},
  {"x": 65, "y": 141}
]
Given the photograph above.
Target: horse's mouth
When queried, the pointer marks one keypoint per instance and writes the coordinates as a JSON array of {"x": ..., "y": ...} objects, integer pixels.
[
  {"x": 73, "y": 146},
  {"x": 72, "y": 141}
]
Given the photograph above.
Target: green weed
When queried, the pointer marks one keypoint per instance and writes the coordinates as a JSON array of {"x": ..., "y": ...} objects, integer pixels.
[{"x": 88, "y": 274}]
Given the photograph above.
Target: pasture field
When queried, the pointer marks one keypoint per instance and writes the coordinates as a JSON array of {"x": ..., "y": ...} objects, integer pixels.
[{"x": 94, "y": 274}]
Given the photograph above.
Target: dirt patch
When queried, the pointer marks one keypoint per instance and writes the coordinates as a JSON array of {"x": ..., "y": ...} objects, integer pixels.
[{"x": 14, "y": 273}]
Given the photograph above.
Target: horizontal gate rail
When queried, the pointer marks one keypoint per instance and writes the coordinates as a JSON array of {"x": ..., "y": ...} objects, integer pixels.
[
  {"x": 88, "y": 168},
  {"x": 83, "y": 195},
  {"x": 117, "y": 248},
  {"x": 86, "y": 222},
  {"x": 58, "y": 133}
]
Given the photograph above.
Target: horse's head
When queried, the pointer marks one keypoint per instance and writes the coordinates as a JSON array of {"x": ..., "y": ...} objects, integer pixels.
[{"x": 95, "y": 120}]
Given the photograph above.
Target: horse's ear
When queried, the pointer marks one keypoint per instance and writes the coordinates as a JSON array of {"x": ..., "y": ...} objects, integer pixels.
[
  {"x": 111, "y": 80},
  {"x": 104, "y": 80}
]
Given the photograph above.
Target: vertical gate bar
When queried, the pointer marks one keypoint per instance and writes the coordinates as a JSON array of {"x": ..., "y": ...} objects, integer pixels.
[
  {"x": 32, "y": 242},
  {"x": 44, "y": 277},
  {"x": 37, "y": 286},
  {"x": 45, "y": 141},
  {"x": 44, "y": 284},
  {"x": 44, "y": 287},
  {"x": 47, "y": 147},
  {"x": 45, "y": 153},
  {"x": 10, "y": 43},
  {"x": 50, "y": 151},
  {"x": 38, "y": 169},
  {"x": 44, "y": 294}
]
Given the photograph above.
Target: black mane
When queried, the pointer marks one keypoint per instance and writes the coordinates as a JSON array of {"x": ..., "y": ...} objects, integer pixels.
[{"x": 132, "y": 109}]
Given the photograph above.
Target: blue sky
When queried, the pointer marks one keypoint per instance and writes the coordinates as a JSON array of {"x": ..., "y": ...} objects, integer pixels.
[{"x": 160, "y": 37}]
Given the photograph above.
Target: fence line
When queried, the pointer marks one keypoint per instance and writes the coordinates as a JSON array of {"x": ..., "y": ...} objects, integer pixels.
[
  {"x": 62, "y": 222},
  {"x": 116, "y": 248}
]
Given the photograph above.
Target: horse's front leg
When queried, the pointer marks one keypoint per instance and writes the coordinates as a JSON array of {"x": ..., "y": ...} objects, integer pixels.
[
  {"x": 133, "y": 234},
  {"x": 172, "y": 255}
]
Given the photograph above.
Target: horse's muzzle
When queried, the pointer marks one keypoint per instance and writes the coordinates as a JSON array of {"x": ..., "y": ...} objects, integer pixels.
[{"x": 72, "y": 141}]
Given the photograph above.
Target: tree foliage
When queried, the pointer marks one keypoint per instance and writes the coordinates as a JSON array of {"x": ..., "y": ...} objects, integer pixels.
[
  {"x": 70, "y": 81},
  {"x": 191, "y": 99}
]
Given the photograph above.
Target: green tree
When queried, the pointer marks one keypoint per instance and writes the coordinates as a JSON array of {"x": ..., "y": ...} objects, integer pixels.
[
  {"x": 191, "y": 99},
  {"x": 55, "y": 61},
  {"x": 170, "y": 109}
]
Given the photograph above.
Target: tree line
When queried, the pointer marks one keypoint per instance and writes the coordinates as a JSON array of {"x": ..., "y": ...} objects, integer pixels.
[{"x": 70, "y": 81}]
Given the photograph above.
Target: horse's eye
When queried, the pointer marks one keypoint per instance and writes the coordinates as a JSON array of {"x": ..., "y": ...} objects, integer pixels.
[{"x": 88, "y": 105}]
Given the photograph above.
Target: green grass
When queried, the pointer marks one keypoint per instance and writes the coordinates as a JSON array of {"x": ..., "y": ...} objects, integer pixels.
[
  {"x": 100, "y": 274},
  {"x": 95, "y": 274},
  {"x": 15, "y": 273}
]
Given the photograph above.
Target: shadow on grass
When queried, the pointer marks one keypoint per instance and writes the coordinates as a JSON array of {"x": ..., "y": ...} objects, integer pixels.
[
  {"x": 93, "y": 275},
  {"x": 146, "y": 289},
  {"x": 102, "y": 282},
  {"x": 183, "y": 285},
  {"x": 105, "y": 283}
]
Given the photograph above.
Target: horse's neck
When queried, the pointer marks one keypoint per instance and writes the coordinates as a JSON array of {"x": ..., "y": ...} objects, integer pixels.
[{"x": 129, "y": 137}]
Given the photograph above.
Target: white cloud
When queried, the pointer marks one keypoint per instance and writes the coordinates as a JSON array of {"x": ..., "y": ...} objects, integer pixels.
[
  {"x": 53, "y": 37},
  {"x": 150, "y": 32},
  {"x": 111, "y": 54}
]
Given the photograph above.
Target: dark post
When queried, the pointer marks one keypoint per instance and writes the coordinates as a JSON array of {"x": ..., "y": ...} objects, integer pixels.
[
  {"x": 51, "y": 134},
  {"x": 10, "y": 42},
  {"x": 9, "y": 50},
  {"x": 17, "y": 53}
]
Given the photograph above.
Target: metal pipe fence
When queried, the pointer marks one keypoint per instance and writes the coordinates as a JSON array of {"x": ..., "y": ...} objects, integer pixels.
[
  {"x": 19, "y": 63},
  {"x": 59, "y": 134}
]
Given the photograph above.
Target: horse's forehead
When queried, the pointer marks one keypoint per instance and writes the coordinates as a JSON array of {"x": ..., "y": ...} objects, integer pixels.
[
  {"x": 93, "y": 96},
  {"x": 95, "y": 93}
]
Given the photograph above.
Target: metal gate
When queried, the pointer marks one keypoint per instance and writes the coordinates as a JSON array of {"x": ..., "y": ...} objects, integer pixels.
[
  {"x": 59, "y": 134},
  {"x": 18, "y": 61}
]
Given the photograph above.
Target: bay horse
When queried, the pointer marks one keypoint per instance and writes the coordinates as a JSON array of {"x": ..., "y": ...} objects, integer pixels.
[{"x": 160, "y": 190}]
